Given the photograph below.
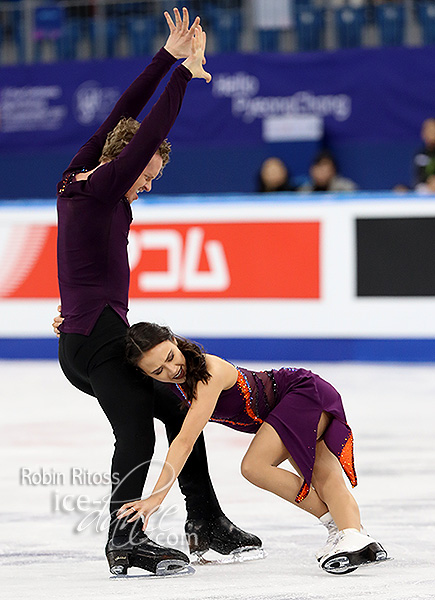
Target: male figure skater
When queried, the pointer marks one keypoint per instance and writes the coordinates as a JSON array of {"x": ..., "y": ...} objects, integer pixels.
[{"x": 94, "y": 214}]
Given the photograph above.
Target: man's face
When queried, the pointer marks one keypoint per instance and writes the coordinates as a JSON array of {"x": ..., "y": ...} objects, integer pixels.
[
  {"x": 144, "y": 182},
  {"x": 428, "y": 133},
  {"x": 430, "y": 184}
]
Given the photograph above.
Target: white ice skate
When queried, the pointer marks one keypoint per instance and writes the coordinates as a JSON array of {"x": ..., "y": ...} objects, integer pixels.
[
  {"x": 332, "y": 538},
  {"x": 333, "y": 535},
  {"x": 352, "y": 549}
]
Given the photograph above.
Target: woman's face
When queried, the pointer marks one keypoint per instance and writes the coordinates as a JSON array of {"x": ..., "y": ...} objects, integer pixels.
[
  {"x": 165, "y": 362},
  {"x": 274, "y": 173}
]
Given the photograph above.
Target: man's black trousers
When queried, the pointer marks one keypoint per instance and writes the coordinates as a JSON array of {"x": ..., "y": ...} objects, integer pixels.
[{"x": 95, "y": 365}]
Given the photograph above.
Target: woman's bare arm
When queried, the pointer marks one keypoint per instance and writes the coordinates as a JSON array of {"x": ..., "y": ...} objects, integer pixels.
[{"x": 196, "y": 419}]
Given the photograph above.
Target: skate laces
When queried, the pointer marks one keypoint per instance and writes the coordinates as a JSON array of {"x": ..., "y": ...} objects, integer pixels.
[
  {"x": 332, "y": 534},
  {"x": 331, "y": 540},
  {"x": 332, "y": 530}
]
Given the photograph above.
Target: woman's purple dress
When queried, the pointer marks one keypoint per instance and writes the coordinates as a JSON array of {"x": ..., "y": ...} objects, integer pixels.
[{"x": 291, "y": 401}]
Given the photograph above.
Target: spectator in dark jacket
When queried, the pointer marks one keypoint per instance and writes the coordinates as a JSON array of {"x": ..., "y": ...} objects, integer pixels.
[
  {"x": 325, "y": 178},
  {"x": 424, "y": 159}
]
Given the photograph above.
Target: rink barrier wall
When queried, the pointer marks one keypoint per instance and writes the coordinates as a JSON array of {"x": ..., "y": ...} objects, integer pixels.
[
  {"x": 264, "y": 349},
  {"x": 257, "y": 277}
]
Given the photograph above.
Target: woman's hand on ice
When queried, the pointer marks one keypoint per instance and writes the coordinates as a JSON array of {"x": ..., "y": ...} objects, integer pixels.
[
  {"x": 195, "y": 61},
  {"x": 57, "y": 321},
  {"x": 139, "y": 508},
  {"x": 179, "y": 42}
]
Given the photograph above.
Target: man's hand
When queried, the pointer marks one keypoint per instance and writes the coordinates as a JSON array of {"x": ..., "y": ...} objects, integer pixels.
[
  {"x": 195, "y": 61},
  {"x": 179, "y": 42},
  {"x": 58, "y": 320}
]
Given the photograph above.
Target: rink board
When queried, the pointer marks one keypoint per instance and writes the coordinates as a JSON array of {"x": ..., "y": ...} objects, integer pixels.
[{"x": 329, "y": 277}]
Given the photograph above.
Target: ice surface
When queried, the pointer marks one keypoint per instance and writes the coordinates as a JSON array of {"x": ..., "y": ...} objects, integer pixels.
[{"x": 47, "y": 424}]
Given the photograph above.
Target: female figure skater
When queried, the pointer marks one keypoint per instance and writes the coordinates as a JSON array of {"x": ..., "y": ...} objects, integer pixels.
[
  {"x": 121, "y": 159},
  {"x": 294, "y": 415}
]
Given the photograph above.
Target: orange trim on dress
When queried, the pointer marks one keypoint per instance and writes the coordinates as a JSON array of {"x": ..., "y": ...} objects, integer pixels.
[
  {"x": 347, "y": 462},
  {"x": 245, "y": 390},
  {"x": 303, "y": 492},
  {"x": 246, "y": 393},
  {"x": 346, "y": 459}
]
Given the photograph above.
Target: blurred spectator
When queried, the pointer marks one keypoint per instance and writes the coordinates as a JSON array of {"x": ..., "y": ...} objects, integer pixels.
[
  {"x": 274, "y": 176},
  {"x": 401, "y": 188},
  {"x": 428, "y": 187},
  {"x": 325, "y": 178},
  {"x": 424, "y": 159}
]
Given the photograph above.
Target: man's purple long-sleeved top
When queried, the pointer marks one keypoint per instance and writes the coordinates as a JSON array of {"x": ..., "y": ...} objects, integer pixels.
[{"x": 94, "y": 216}]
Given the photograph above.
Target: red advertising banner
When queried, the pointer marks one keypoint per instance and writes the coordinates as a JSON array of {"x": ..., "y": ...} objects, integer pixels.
[{"x": 192, "y": 260}]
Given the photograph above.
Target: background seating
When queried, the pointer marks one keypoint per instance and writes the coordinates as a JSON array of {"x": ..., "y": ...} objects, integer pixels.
[
  {"x": 72, "y": 29},
  {"x": 350, "y": 22},
  {"x": 426, "y": 16},
  {"x": 309, "y": 28},
  {"x": 391, "y": 22}
]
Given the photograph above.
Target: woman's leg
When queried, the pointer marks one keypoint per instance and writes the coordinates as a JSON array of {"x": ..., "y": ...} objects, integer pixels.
[
  {"x": 260, "y": 467},
  {"x": 329, "y": 483},
  {"x": 352, "y": 547}
]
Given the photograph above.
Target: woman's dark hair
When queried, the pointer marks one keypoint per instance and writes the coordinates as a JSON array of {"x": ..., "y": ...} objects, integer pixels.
[{"x": 142, "y": 337}]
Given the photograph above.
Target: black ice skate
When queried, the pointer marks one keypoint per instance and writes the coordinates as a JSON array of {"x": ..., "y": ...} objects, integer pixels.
[
  {"x": 139, "y": 551},
  {"x": 352, "y": 550},
  {"x": 223, "y": 537}
]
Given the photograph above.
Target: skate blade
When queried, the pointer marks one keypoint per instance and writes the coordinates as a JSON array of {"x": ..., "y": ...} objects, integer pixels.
[
  {"x": 374, "y": 563},
  {"x": 237, "y": 556},
  {"x": 161, "y": 573},
  {"x": 119, "y": 571},
  {"x": 349, "y": 562},
  {"x": 339, "y": 565},
  {"x": 368, "y": 563}
]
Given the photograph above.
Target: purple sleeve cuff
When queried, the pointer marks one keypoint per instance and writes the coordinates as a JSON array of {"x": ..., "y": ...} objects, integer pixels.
[
  {"x": 184, "y": 71},
  {"x": 166, "y": 56}
]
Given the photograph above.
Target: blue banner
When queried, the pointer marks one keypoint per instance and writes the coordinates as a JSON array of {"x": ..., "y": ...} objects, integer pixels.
[{"x": 359, "y": 95}]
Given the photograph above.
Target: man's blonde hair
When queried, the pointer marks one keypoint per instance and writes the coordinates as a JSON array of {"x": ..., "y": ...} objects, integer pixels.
[{"x": 122, "y": 134}]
